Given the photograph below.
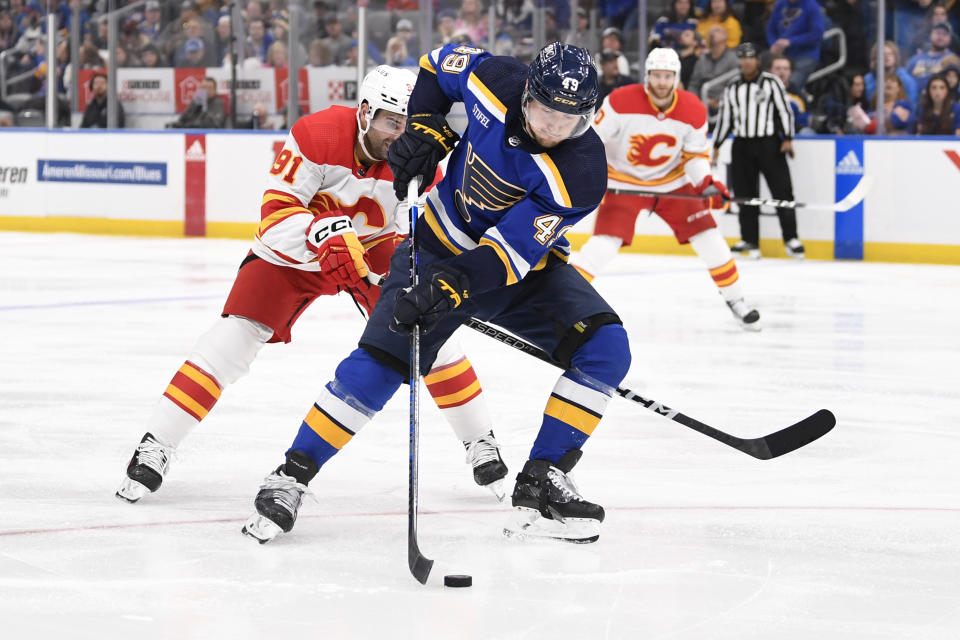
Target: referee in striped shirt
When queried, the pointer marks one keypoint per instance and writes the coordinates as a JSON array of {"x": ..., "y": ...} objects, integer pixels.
[{"x": 755, "y": 110}]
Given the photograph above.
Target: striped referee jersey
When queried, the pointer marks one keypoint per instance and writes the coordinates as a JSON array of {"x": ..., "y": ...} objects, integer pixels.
[{"x": 754, "y": 109}]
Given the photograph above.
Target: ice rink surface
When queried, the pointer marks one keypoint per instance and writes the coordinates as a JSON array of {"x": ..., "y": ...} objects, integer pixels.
[{"x": 854, "y": 536}]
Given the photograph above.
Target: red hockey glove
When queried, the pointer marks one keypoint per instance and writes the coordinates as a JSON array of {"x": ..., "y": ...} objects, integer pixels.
[
  {"x": 339, "y": 249},
  {"x": 715, "y": 192}
]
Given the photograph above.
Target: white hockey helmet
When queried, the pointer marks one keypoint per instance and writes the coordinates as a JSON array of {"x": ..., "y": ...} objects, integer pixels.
[
  {"x": 388, "y": 88},
  {"x": 663, "y": 59}
]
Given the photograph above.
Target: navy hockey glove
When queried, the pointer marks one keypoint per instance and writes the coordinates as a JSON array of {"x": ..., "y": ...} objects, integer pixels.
[
  {"x": 427, "y": 140},
  {"x": 427, "y": 303}
]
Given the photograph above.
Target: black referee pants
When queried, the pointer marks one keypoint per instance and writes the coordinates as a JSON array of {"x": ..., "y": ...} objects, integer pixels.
[{"x": 750, "y": 158}]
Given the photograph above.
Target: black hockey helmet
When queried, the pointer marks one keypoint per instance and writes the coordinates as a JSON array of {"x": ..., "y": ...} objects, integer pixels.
[{"x": 564, "y": 78}]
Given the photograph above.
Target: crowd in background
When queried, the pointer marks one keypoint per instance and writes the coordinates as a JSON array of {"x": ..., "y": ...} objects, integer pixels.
[{"x": 919, "y": 96}]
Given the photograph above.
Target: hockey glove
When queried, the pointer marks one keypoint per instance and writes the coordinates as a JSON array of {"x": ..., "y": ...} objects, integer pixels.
[
  {"x": 715, "y": 192},
  {"x": 428, "y": 302},
  {"x": 339, "y": 249},
  {"x": 426, "y": 141}
]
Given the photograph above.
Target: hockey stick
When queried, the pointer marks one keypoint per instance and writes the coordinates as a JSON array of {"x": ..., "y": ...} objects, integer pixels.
[
  {"x": 764, "y": 448},
  {"x": 420, "y": 565},
  {"x": 856, "y": 195}
]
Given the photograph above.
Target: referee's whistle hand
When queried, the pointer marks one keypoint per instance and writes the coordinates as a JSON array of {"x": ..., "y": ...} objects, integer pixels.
[
  {"x": 787, "y": 147},
  {"x": 713, "y": 157}
]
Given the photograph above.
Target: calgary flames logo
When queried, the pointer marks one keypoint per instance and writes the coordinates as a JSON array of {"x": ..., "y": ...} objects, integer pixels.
[
  {"x": 373, "y": 218},
  {"x": 642, "y": 149}
]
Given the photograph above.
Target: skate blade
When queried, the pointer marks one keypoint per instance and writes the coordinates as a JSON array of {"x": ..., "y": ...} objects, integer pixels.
[
  {"x": 131, "y": 491},
  {"x": 496, "y": 488},
  {"x": 261, "y": 529},
  {"x": 528, "y": 524}
]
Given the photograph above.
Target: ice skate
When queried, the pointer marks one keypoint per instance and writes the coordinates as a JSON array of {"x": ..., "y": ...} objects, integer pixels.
[
  {"x": 483, "y": 454},
  {"x": 278, "y": 501},
  {"x": 146, "y": 469},
  {"x": 549, "y": 505},
  {"x": 794, "y": 248},
  {"x": 747, "y": 316},
  {"x": 746, "y": 249}
]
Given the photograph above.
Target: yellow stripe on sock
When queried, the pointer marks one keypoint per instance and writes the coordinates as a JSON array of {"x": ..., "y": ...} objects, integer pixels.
[
  {"x": 187, "y": 401},
  {"x": 327, "y": 429},
  {"x": 460, "y": 395},
  {"x": 574, "y": 416},
  {"x": 447, "y": 373},
  {"x": 201, "y": 379}
]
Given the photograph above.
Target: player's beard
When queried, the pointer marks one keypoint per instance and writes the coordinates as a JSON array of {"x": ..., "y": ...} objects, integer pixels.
[
  {"x": 661, "y": 95},
  {"x": 376, "y": 145}
]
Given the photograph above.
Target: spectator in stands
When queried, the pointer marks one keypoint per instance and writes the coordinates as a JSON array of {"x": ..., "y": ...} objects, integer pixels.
[
  {"x": 6, "y": 118},
  {"x": 472, "y": 20},
  {"x": 338, "y": 42},
  {"x": 897, "y": 110},
  {"x": 667, "y": 29},
  {"x": 188, "y": 25},
  {"x": 280, "y": 30},
  {"x": 935, "y": 59},
  {"x": 254, "y": 11},
  {"x": 782, "y": 67},
  {"x": 610, "y": 76},
  {"x": 130, "y": 36},
  {"x": 720, "y": 15},
  {"x": 952, "y": 76},
  {"x": 795, "y": 29},
  {"x": 718, "y": 60},
  {"x": 689, "y": 48},
  {"x": 446, "y": 27},
  {"x": 258, "y": 40},
  {"x": 936, "y": 14},
  {"x": 150, "y": 56},
  {"x": 193, "y": 54},
  {"x": 515, "y": 15},
  {"x": 278, "y": 55},
  {"x": 612, "y": 40},
  {"x": 939, "y": 113},
  {"x": 95, "y": 115},
  {"x": 621, "y": 14},
  {"x": 891, "y": 63},
  {"x": 9, "y": 34},
  {"x": 206, "y": 111},
  {"x": 316, "y": 26},
  {"x": 839, "y": 106},
  {"x": 396, "y": 53},
  {"x": 320, "y": 54},
  {"x": 90, "y": 57},
  {"x": 404, "y": 31},
  {"x": 151, "y": 27},
  {"x": 31, "y": 26},
  {"x": 221, "y": 39},
  {"x": 503, "y": 45}
]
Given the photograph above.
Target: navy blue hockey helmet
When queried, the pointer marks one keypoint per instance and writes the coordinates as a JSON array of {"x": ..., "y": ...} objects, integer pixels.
[{"x": 564, "y": 78}]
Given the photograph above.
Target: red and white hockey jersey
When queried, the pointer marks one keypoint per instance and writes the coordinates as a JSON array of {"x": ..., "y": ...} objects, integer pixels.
[
  {"x": 649, "y": 149},
  {"x": 315, "y": 173}
]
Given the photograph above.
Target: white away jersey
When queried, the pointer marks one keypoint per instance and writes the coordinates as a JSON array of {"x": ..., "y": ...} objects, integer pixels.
[{"x": 649, "y": 149}]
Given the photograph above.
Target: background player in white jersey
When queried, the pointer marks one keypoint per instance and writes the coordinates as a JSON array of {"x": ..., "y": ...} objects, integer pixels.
[
  {"x": 328, "y": 218},
  {"x": 655, "y": 137}
]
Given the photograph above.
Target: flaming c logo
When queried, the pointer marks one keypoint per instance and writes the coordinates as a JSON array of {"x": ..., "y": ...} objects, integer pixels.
[
  {"x": 374, "y": 218},
  {"x": 642, "y": 149}
]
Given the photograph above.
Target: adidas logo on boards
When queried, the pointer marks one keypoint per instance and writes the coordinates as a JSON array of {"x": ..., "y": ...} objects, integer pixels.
[
  {"x": 850, "y": 164},
  {"x": 195, "y": 152}
]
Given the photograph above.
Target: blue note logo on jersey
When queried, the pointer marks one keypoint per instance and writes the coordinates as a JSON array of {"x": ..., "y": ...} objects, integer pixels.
[{"x": 483, "y": 188}]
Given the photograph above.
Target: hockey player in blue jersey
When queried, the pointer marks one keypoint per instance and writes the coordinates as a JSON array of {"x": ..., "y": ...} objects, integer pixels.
[{"x": 491, "y": 246}]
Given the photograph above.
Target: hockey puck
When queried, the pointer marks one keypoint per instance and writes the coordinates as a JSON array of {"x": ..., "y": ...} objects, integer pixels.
[{"x": 458, "y": 581}]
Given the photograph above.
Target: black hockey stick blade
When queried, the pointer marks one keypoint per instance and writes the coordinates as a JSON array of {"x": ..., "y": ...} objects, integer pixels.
[
  {"x": 420, "y": 565},
  {"x": 795, "y": 436}
]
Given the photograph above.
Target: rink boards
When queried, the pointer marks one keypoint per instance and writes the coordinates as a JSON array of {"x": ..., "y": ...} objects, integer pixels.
[{"x": 197, "y": 183}]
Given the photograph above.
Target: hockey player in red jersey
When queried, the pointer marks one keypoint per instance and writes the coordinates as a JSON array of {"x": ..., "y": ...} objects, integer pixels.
[
  {"x": 655, "y": 136},
  {"x": 329, "y": 217}
]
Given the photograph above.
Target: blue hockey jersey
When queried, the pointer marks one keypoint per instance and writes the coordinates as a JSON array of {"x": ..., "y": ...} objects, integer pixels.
[{"x": 501, "y": 190}]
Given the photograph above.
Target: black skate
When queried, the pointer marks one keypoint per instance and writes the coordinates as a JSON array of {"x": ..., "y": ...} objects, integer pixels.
[
  {"x": 279, "y": 498},
  {"x": 549, "y": 505},
  {"x": 483, "y": 454},
  {"x": 746, "y": 315},
  {"x": 146, "y": 469}
]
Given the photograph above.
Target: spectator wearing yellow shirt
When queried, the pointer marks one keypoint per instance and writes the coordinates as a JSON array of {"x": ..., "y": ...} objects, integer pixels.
[{"x": 721, "y": 15}]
